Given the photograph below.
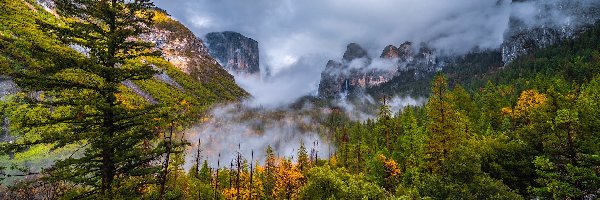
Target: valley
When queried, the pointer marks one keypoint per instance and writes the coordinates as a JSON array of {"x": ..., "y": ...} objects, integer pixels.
[{"x": 232, "y": 100}]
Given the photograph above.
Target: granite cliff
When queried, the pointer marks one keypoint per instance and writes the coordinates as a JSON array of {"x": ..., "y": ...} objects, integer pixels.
[{"x": 235, "y": 52}]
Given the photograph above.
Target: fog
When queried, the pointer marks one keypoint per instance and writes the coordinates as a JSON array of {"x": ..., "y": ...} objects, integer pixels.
[
  {"x": 297, "y": 38},
  {"x": 254, "y": 129}
]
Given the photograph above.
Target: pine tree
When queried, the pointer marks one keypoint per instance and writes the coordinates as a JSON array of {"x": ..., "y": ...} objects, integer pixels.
[
  {"x": 302, "y": 157},
  {"x": 269, "y": 183},
  {"x": 76, "y": 99},
  {"x": 443, "y": 124}
]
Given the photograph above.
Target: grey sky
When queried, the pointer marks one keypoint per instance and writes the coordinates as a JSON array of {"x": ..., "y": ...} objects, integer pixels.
[
  {"x": 290, "y": 30},
  {"x": 297, "y": 37}
]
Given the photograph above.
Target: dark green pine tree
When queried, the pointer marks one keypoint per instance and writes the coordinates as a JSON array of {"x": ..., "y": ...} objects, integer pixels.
[{"x": 73, "y": 99}]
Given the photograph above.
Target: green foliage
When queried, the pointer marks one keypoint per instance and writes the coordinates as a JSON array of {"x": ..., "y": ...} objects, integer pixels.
[
  {"x": 71, "y": 99},
  {"x": 302, "y": 157},
  {"x": 327, "y": 183},
  {"x": 530, "y": 129},
  {"x": 564, "y": 182}
]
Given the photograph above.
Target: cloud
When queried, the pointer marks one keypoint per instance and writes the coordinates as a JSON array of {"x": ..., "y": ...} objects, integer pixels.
[
  {"x": 286, "y": 86},
  {"x": 297, "y": 38},
  {"x": 254, "y": 129},
  {"x": 292, "y": 32},
  {"x": 288, "y": 30}
]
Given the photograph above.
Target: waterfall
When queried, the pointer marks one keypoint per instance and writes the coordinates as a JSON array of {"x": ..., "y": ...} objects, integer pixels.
[{"x": 346, "y": 89}]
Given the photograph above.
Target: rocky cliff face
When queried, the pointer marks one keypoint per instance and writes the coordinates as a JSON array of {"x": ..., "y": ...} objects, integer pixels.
[
  {"x": 7, "y": 87},
  {"x": 357, "y": 71},
  {"x": 235, "y": 52},
  {"x": 184, "y": 50},
  {"x": 189, "y": 54},
  {"x": 554, "y": 20}
]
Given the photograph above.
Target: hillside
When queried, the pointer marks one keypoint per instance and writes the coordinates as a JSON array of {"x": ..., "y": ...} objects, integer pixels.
[
  {"x": 118, "y": 100},
  {"x": 187, "y": 72},
  {"x": 185, "y": 76}
]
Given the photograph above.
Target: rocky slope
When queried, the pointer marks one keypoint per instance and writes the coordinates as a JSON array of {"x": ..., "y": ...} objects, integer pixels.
[
  {"x": 236, "y": 53},
  {"x": 358, "y": 71},
  {"x": 189, "y": 54},
  {"x": 7, "y": 87},
  {"x": 182, "y": 49},
  {"x": 555, "y": 20},
  {"x": 187, "y": 72}
]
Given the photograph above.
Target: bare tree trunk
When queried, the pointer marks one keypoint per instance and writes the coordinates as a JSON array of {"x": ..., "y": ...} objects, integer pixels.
[
  {"x": 163, "y": 181},
  {"x": 198, "y": 159},
  {"x": 237, "y": 181},
  {"x": 231, "y": 174},
  {"x": 251, "y": 174},
  {"x": 217, "y": 177}
]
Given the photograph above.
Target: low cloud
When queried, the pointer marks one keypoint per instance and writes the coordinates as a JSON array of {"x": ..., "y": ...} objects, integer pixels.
[
  {"x": 297, "y": 38},
  {"x": 290, "y": 33},
  {"x": 285, "y": 87},
  {"x": 254, "y": 129}
]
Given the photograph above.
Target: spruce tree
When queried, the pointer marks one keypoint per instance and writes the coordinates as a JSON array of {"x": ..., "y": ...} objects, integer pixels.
[
  {"x": 75, "y": 99},
  {"x": 443, "y": 124},
  {"x": 302, "y": 157}
]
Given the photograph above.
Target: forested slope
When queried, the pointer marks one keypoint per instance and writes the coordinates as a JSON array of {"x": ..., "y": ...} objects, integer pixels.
[{"x": 59, "y": 90}]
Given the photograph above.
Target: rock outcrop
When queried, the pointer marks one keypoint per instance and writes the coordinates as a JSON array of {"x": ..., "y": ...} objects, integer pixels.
[
  {"x": 7, "y": 87},
  {"x": 357, "y": 71},
  {"x": 555, "y": 20},
  {"x": 235, "y": 52},
  {"x": 185, "y": 51},
  {"x": 189, "y": 54}
]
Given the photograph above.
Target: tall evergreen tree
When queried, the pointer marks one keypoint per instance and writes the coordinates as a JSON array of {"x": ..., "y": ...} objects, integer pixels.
[
  {"x": 270, "y": 167},
  {"x": 302, "y": 157},
  {"x": 75, "y": 99},
  {"x": 443, "y": 124}
]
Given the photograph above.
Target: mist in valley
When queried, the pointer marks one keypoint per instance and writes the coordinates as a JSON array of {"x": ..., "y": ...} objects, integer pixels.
[{"x": 297, "y": 39}]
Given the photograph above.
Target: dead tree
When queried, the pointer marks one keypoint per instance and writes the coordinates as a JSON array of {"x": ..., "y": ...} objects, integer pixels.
[
  {"x": 198, "y": 157},
  {"x": 237, "y": 181},
  {"x": 230, "y": 174},
  {"x": 163, "y": 180},
  {"x": 217, "y": 177},
  {"x": 251, "y": 174}
]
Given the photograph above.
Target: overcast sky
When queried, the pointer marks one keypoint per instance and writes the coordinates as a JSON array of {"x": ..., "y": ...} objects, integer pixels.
[
  {"x": 290, "y": 30},
  {"x": 297, "y": 37}
]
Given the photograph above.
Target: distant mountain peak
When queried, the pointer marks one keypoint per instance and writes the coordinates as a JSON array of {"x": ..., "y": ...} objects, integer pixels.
[
  {"x": 354, "y": 51},
  {"x": 236, "y": 52},
  {"x": 390, "y": 52}
]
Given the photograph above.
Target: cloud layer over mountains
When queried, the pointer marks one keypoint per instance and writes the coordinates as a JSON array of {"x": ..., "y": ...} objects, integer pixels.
[
  {"x": 298, "y": 37},
  {"x": 289, "y": 31},
  {"x": 305, "y": 34}
]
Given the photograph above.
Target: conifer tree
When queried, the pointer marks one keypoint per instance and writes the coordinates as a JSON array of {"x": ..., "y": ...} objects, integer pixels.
[
  {"x": 443, "y": 124},
  {"x": 302, "y": 157},
  {"x": 269, "y": 183},
  {"x": 75, "y": 100}
]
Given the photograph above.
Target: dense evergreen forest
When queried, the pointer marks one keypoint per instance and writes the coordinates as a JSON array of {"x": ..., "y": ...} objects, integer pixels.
[{"x": 527, "y": 130}]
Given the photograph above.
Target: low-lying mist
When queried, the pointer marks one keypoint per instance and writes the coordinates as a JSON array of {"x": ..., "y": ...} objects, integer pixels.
[
  {"x": 247, "y": 126},
  {"x": 298, "y": 38},
  {"x": 254, "y": 129}
]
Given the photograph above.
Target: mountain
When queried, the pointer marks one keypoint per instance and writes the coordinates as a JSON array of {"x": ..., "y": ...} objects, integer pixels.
[
  {"x": 357, "y": 72},
  {"x": 189, "y": 54},
  {"x": 236, "y": 53},
  {"x": 556, "y": 20},
  {"x": 187, "y": 72}
]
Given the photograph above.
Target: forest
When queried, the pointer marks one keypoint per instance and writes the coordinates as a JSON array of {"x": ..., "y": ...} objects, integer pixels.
[{"x": 527, "y": 130}]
